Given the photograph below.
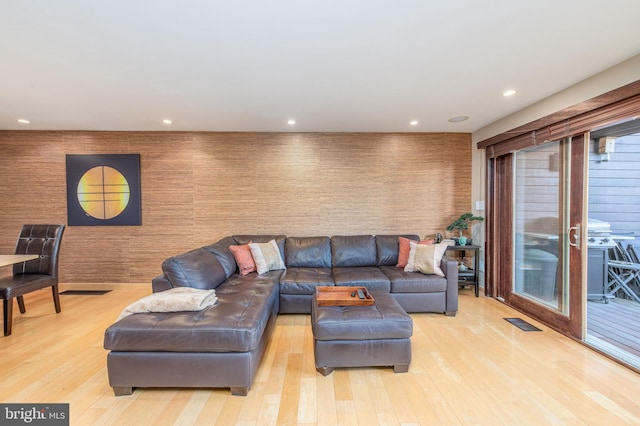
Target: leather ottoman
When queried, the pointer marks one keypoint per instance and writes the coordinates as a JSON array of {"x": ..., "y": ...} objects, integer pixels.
[{"x": 362, "y": 336}]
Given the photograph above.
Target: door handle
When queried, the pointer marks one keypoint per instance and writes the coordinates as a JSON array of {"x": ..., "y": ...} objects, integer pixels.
[{"x": 574, "y": 234}]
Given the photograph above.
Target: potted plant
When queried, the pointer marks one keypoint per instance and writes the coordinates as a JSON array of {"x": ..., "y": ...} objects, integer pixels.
[{"x": 462, "y": 223}]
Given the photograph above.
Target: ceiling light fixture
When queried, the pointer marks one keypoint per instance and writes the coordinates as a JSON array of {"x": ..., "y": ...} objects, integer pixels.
[
  {"x": 167, "y": 121},
  {"x": 508, "y": 93},
  {"x": 291, "y": 122},
  {"x": 23, "y": 121},
  {"x": 458, "y": 119},
  {"x": 413, "y": 122}
]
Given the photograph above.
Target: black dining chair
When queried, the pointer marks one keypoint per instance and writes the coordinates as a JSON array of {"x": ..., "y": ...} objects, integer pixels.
[{"x": 36, "y": 274}]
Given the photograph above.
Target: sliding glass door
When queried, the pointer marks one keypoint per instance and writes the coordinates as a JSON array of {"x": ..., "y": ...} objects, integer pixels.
[{"x": 537, "y": 231}]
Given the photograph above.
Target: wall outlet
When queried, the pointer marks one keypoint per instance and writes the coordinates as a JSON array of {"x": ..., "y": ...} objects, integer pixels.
[{"x": 479, "y": 205}]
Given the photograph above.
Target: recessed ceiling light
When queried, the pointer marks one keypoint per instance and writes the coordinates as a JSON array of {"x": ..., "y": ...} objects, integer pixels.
[
  {"x": 413, "y": 122},
  {"x": 23, "y": 121},
  {"x": 291, "y": 122},
  {"x": 458, "y": 119},
  {"x": 167, "y": 121},
  {"x": 509, "y": 92}
]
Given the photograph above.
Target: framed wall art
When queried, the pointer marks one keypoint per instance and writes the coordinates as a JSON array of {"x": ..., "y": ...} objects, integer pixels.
[{"x": 103, "y": 189}]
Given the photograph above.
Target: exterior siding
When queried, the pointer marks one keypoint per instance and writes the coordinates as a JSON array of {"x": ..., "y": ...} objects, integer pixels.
[{"x": 614, "y": 186}]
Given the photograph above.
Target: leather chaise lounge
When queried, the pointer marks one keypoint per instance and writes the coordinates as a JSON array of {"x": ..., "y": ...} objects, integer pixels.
[{"x": 222, "y": 346}]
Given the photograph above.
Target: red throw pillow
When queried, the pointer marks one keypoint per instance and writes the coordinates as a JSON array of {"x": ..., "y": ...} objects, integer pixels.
[
  {"x": 404, "y": 248},
  {"x": 244, "y": 259}
]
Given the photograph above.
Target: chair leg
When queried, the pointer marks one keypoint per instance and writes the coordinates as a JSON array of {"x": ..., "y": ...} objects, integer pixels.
[
  {"x": 56, "y": 297},
  {"x": 21, "y": 304},
  {"x": 7, "y": 311}
]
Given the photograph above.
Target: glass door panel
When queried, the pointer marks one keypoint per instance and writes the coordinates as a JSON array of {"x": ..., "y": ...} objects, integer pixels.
[
  {"x": 540, "y": 218},
  {"x": 612, "y": 309}
]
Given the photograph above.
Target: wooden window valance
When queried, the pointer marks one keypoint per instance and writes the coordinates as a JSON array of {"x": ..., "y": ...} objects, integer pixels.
[{"x": 619, "y": 104}]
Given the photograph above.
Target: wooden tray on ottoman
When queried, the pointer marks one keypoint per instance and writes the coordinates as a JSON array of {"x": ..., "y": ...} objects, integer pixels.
[{"x": 342, "y": 296}]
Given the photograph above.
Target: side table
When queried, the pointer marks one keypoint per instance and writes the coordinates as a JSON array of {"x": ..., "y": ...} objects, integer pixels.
[{"x": 470, "y": 276}]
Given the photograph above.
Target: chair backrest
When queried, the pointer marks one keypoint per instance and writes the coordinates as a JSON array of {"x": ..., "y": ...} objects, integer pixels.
[{"x": 43, "y": 240}]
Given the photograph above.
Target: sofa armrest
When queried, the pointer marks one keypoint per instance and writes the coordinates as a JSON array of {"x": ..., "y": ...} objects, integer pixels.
[
  {"x": 450, "y": 268},
  {"x": 160, "y": 283}
]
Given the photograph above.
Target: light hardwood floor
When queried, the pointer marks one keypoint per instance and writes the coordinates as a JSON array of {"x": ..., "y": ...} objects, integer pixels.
[{"x": 474, "y": 368}]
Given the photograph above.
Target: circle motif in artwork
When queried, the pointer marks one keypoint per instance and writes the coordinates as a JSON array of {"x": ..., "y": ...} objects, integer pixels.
[{"x": 103, "y": 192}]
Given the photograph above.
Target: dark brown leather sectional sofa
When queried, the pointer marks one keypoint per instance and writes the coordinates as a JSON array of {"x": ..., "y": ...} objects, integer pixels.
[{"x": 222, "y": 346}]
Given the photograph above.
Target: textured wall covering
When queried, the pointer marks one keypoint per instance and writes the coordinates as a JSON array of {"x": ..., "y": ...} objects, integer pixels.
[{"x": 198, "y": 187}]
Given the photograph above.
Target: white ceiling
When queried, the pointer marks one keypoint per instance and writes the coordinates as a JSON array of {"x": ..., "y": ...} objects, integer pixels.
[{"x": 332, "y": 65}]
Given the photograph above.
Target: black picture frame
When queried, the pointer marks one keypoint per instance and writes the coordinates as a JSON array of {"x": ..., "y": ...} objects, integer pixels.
[{"x": 123, "y": 165}]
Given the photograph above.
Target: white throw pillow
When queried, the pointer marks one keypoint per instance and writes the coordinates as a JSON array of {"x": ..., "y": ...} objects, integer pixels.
[
  {"x": 266, "y": 256},
  {"x": 426, "y": 258}
]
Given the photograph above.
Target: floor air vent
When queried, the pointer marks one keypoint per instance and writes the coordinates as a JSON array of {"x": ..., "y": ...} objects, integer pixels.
[
  {"x": 522, "y": 324},
  {"x": 84, "y": 292}
]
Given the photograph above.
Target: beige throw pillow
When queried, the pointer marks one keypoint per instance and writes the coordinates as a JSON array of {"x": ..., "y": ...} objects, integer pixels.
[
  {"x": 426, "y": 258},
  {"x": 266, "y": 256},
  {"x": 403, "y": 250}
]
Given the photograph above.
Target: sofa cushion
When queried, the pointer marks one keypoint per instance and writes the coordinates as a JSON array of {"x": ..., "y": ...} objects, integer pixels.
[
  {"x": 413, "y": 282},
  {"x": 370, "y": 277},
  {"x": 387, "y": 248},
  {"x": 235, "y": 323},
  {"x": 353, "y": 250},
  {"x": 266, "y": 256},
  {"x": 304, "y": 280},
  {"x": 220, "y": 249},
  {"x": 307, "y": 252},
  {"x": 244, "y": 258},
  {"x": 197, "y": 268}
]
